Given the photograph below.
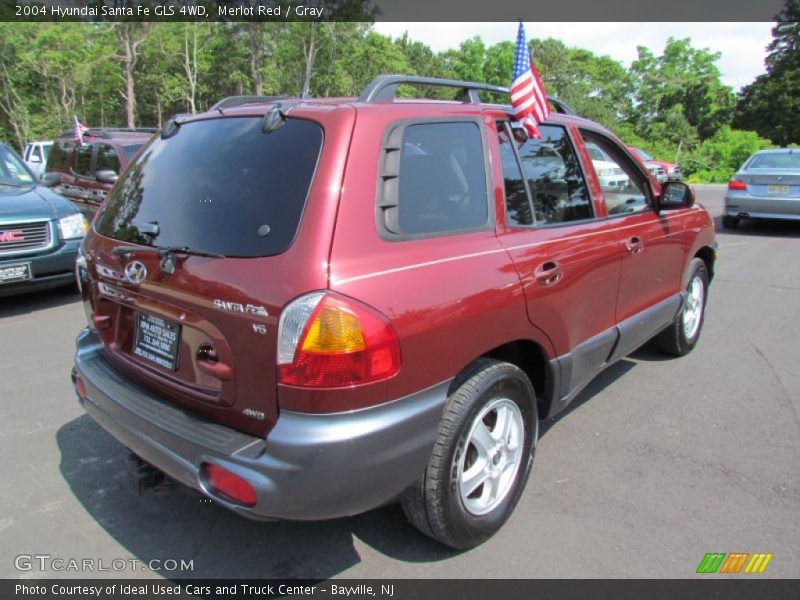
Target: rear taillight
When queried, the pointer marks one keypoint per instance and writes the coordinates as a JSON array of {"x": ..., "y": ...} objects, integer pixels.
[
  {"x": 327, "y": 340},
  {"x": 735, "y": 184},
  {"x": 229, "y": 485}
]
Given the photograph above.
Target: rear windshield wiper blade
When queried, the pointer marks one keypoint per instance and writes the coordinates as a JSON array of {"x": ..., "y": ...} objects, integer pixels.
[
  {"x": 164, "y": 251},
  {"x": 188, "y": 250}
]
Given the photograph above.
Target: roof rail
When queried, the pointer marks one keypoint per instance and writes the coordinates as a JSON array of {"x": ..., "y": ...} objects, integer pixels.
[
  {"x": 109, "y": 132},
  {"x": 384, "y": 89},
  {"x": 232, "y": 101}
]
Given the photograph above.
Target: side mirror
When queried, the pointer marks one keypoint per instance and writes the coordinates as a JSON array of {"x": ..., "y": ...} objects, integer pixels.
[
  {"x": 676, "y": 194},
  {"x": 50, "y": 179},
  {"x": 107, "y": 176}
]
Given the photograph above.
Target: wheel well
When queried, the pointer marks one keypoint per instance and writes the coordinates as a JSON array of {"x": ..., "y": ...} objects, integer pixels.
[
  {"x": 529, "y": 357},
  {"x": 707, "y": 255}
]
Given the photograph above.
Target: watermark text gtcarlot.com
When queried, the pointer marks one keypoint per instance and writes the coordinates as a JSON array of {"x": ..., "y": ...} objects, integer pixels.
[{"x": 48, "y": 562}]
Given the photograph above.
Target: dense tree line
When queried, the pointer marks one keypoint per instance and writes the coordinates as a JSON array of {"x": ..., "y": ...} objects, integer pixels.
[{"x": 138, "y": 74}]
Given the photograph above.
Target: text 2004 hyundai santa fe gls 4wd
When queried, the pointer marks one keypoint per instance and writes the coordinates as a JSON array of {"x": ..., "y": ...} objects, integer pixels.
[{"x": 309, "y": 308}]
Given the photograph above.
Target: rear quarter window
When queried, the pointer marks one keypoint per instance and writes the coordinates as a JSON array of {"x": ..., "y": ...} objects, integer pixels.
[
  {"x": 219, "y": 185},
  {"x": 436, "y": 183}
]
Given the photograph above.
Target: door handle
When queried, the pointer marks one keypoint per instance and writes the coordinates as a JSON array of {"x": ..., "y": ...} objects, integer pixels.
[
  {"x": 634, "y": 245},
  {"x": 548, "y": 273}
]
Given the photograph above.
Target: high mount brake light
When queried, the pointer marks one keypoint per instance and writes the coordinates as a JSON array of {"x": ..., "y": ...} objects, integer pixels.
[{"x": 326, "y": 340}]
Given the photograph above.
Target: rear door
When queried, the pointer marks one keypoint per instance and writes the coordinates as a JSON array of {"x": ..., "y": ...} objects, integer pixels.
[
  {"x": 567, "y": 258},
  {"x": 199, "y": 324}
]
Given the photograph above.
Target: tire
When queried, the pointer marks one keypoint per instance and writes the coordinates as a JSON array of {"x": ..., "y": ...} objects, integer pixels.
[
  {"x": 681, "y": 336},
  {"x": 730, "y": 222},
  {"x": 489, "y": 393}
]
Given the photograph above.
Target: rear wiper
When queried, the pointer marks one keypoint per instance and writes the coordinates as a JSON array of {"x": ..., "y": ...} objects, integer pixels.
[
  {"x": 163, "y": 251},
  {"x": 171, "y": 256},
  {"x": 187, "y": 250}
]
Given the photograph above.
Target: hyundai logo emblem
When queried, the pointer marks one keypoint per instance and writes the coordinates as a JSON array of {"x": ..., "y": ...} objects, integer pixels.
[{"x": 135, "y": 272}]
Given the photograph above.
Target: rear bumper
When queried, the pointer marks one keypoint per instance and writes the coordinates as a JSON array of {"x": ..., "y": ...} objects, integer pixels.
[
  {"x": 54, "y": 269},
  {"x": 745, "y": 205},
  {"x": 309, "y": 467}
]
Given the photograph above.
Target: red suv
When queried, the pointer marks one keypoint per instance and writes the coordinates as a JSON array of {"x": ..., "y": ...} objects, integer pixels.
[
  {"x": 85, "y": 173},
  {"x": 307, "y": 308}
]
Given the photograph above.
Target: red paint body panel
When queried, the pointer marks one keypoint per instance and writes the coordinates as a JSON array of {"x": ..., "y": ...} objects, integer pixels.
[
  {"x": 187, "y": 297},
  {"x": 450, "y": 298}
]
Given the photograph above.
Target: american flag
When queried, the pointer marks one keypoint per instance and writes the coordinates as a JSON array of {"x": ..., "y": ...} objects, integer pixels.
[
  {"x": 78, "y": 129},
  {"x": 528, "y": 99}
]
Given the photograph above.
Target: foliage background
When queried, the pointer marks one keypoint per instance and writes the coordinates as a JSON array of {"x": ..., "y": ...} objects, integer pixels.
[{"x": 673, "y": 104}]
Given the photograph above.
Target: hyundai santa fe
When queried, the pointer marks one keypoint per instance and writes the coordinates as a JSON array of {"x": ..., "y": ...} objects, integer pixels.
[{"x": 308, "y": 308}]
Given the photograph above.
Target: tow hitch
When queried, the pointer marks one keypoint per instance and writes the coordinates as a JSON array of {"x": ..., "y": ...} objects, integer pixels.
[{"x": 149, "y": 477}]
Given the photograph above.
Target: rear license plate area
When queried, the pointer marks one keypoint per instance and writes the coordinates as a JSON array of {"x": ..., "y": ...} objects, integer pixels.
[
  {"x": 157, "y": 340},
  {"x": 777, "y": 189}
]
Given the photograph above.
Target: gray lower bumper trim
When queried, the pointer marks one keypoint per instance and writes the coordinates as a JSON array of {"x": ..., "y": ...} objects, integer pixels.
[{"x": 310, "y": 466}]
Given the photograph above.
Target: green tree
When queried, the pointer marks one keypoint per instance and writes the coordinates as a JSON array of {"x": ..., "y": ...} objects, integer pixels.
[
  {"x": 771, "y": 104},
  {"x": 684, "y": 77},
  {"x": 16, "y": 85},
  {"x": 720, "y": 156},
  {"x": 467, "y": 62}
]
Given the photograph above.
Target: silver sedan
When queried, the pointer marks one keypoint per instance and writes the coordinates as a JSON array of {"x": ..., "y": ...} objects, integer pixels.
[{"x": 767, "y": 186}]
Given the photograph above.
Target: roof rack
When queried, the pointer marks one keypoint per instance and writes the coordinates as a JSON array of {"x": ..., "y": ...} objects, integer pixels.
[
  {"x": 384, "y": 89},
  {"x": 232, "y": 101},
  {"x": 109, "y": 132}
]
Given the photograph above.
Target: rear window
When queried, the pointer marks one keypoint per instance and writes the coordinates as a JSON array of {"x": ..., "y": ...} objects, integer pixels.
[
  {"x": 775, "y": 160},
  {"x": 220, "y": 186}
]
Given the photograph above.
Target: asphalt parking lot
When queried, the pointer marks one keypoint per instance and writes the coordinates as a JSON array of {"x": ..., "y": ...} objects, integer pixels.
[{"x": 657, "y": 463}]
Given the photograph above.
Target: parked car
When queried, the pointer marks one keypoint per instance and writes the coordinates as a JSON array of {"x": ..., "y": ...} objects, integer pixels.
[
  {"x": 609, "y": 173},
  {"x": 307, "y": 308},
  {"x": 657, "y": 171},
  {"x": 671, "y": 170},
  {"x": 767, "y": 186},
  {"x": 35, "y": 156},
  {"x": 85, "y": 173},
  {"x": 39, "y": 231}
]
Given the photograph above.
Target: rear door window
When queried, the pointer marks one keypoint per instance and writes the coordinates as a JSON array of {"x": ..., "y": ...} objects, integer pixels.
[
  {"x": 555, "y": 178},
  {"x": 82, "y": 161},
  {"x": 518, "y": 204},
  {"x": 219, "y": 185}
]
